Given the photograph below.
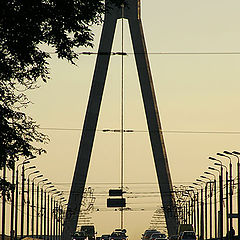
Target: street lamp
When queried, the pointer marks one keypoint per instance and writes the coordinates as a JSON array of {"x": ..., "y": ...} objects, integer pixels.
[
  {"x": 210, "y": 202},
  {"x": 220, "y": 196},
  {"x": 215, "y": 200},
  {"x": 16, "y": 202},
  {"x": 230, "y": 186},
  {"x": 196, "y": 216},
  {"x": 202, "y": 211},
  {"x": 28, "y": 198},
  {"x": 227, "y": 222},
  {"x": 236, "y": 154},
  {"x": 46, "y": 210},
  {"x": 39, "y": 176},
  {"x": 206, "y": 215},
  {"x": 37, "y": 222},
  {"x": 55, "y": 212},
  {"x": 49, "y": 228},
  {"x": 41, "y": 209},
  {"x": 52, "y": 230},
  {"x": 23, "y": 202}
]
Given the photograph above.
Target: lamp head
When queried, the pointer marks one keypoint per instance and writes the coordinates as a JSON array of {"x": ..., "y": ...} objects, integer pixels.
[
  {"x": 227, "y": 152},
  {"x": 220, "y": 154},
  {"x": 26, "y": 162},
  {"x": 211, "y": 168},
  {"x": 31, "y": 167},
  {"x": 235, "y": 152}
]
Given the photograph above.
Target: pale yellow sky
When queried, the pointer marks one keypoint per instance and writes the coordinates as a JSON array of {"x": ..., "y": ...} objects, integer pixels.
[{"x": 194, "y": 93}]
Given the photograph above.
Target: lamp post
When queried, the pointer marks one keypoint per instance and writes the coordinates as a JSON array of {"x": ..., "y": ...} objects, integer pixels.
[
  {"x": 197, "y": 222},
  {"x": 42, "y": 209},
  {"x": 16, "y": 202},
  {"x": 194, "y": 214},
  {"x": 3, "y": 203},
  {"x": 23, "y": 202},
  {"x": 51, "y": 214},
  {"x": 28, "y": 198},
  {"x": 227, "y": 223},
  {"x": 210, "y": 205},
  {"x": 46, "y": 211},
  {"x": 37, "y": 220},
  {"x": 215, "y": 201},
  {"x": 12, "y": 203},
  {"x": 39, "y": 176},
  {"x": 230, "y": 187},
  {"x": 236, "y": 154},
  {"x": 202, "y": 212},
  {"x": 220, "y": 220},
  {"x": 55, "y": 214}
]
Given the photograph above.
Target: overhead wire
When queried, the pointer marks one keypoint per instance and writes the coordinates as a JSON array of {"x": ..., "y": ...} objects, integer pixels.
[
  {"x": 141, "y": 131},
  {"x": 156, "y": 53}
]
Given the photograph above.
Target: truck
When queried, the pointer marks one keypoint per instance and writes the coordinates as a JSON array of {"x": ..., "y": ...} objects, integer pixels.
[{"x": 89, "y": 231}]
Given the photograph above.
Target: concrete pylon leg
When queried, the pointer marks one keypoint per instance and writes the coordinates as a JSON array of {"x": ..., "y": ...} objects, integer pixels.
[
  {"x": 132, "y": 13},
  {"x": 152, "y": 115},
  {"x": 90, "y": 123}
]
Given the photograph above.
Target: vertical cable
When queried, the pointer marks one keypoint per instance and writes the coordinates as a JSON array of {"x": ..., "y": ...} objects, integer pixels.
[{"x": 122, "y": 119}]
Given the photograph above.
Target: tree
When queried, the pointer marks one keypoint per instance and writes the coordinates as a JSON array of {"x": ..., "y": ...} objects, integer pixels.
[{"x": 25, "y": 26}]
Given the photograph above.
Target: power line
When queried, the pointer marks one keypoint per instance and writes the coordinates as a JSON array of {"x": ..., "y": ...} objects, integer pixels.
[
  {"x": 143, "y": 131},
  {"x": 156, "y": 53}
]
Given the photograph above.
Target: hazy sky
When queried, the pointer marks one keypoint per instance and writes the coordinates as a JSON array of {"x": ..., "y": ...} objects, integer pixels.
[{"x": 195, "y": 93}]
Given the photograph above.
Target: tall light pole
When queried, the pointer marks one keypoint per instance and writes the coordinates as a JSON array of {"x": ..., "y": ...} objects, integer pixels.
[
  {"x": 215, "y": 201},
  {"x": 227, "y": 222},
  {"x": 3, "y": 204},
  {"x": 16, "y": 202},
  {"x": 220, "y": 219},
  {"x": 23, "y": 202},
  {"x": 198, "y": 219},
  {"x": 12, "y": 203},
  {"x": 46, "y": 211},
  {"x": 51, "y": 213},
  {"x": 28, "y": 199},
  {"x": 39, "y": 176},
  {"x": 42, "y": 210},
  {"x": 210, "y": 205},
  {"x": 230, "y": 188},
  {"x": 236, "y": 154},
  {"x": 37, "y": 220},
  {"x": 202, "y": 211},
  {"x": 56, "y": 207}
]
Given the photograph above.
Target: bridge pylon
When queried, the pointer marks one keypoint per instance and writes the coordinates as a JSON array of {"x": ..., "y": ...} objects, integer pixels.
[{"x": 132, "y": 14}]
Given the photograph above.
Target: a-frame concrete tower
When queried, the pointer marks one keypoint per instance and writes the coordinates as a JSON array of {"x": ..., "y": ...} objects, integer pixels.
[{"x": 132, "y": 13}]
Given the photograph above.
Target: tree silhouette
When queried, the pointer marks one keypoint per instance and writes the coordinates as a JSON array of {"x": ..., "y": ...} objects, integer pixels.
[{"x": 26, "y": 26}]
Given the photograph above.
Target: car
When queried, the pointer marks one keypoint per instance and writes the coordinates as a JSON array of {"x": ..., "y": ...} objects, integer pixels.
[
  {"x": 158, "y": 236},
  {"x": 188, "y": 235},
  {"x": 118, "y": 235},
  {"x": 79, "y": 236},
  {"x": 105, "y": 237},
  {"x": 147, "y": 234},
  {"x": 89, "y": 231}
]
